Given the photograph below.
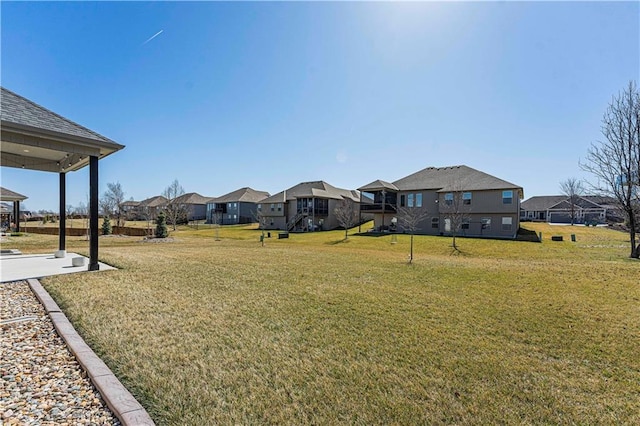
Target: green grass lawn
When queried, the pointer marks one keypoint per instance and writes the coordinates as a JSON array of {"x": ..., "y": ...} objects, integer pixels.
[{"x": 313, "y": 330}]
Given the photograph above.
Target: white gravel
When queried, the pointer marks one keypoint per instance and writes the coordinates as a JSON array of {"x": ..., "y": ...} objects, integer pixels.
[{"x": 41, "y": 383}]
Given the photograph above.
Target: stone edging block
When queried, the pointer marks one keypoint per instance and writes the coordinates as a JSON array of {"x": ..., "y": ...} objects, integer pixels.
[{"x": 123, "y": 405}]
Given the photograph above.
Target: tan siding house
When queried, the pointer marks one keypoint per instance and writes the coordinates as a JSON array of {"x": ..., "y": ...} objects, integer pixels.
[
  {"x": 307, "y": 206},
  {"x": 456, "y": 199}
]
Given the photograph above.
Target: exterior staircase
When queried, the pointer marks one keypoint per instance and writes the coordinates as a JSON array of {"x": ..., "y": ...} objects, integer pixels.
[{"x": 295, "y": 220}]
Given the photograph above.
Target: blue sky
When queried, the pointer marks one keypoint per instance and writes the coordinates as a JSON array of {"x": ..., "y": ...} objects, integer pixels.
[{"x": 267, "y": 94}]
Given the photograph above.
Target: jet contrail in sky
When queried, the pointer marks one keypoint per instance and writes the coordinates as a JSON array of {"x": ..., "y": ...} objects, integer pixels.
[{"x": 152, "y": 37}]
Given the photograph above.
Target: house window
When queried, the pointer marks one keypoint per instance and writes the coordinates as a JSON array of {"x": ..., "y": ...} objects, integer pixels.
[
  {"x": 321, "y": 206},
  {"x": 448, "y": 198},
  {"x": 410, "y": 200},
  {"x": 235, "y": 216},
  {"x": 402, "y": 200},
  {"x": 435, "y": 223},
  {"x": 486, "y": 223},
  {"x": 279, "y": 207},
  {"x": 465, "y": 225},
  {"x": 259, "y": 207},
  {"x": 507, "y": 223},
  {"x": 466, "y": 198},
  {"x": 419, "y": 199},
  {"x": 271, "y": 222},
  {"x": 507, "y": 197},
  {"x": 273, "y": 206},
  {"x": 447, "y": 225}
]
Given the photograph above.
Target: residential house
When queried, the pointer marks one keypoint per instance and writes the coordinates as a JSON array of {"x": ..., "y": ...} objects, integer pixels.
[
  {"x": 149, "y": 208},
  {"x": 557, "y": 209},
  {"x": 195, "y": 205},
  {"x": 130, "y": 210},
  {"x": 482, "y": 205},
  {"x": 239, "y": 206},
  {"x": 307, "y": 206}
]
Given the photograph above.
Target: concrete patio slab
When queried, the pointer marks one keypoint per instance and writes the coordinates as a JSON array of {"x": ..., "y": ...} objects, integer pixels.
[{"x": 25, "y": 266}]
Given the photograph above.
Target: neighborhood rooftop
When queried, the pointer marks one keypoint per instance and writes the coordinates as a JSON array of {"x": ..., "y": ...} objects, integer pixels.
[
  {"x": 318, "y": 189},
  {"x": 242, "y": 195},
  {"x": 452, "y": 178},
  {"x": 192, "y": 198}
]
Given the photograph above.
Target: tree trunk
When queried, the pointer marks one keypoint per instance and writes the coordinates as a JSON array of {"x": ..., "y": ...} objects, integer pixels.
[
  {"x": 635, "y": 249},
  {"x": 411, "y": 250}
]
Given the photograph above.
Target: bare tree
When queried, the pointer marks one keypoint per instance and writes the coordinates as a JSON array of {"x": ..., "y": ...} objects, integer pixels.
[
  {"x": 262, "y": 223},
  {"x": 572, "y": 188},
  {"x": 106, "y": 206},
  {"x": 175, "y": 210},
  {"x": 346, "y": 215},
  {"x": 69, "y": 210},
  {"x": 114, "y": 197},
  {"x": 145, "y": 214},
  {"x": 83, "y": 211},
  {"x": 615, "y": 161},
  {"x": 410, "y": 219},
  {"x": 455, "y": 210}
]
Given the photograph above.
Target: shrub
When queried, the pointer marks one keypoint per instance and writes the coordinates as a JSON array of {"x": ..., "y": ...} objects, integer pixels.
[
  {"x": 161, "y": 226},
  {"x": 106, "y": 226}
]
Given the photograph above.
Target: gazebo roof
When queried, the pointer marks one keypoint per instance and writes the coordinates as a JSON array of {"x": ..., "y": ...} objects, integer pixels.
[
  {"x": 9, "y": 195},
  {"x": 36, "y": 138}
]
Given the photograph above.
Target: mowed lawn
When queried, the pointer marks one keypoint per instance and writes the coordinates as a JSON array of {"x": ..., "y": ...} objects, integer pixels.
[{"x": 312, "y": 330}]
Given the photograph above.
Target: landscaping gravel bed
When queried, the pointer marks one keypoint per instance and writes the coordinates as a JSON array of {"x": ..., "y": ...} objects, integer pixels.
[{"x": 41, "y": 382}]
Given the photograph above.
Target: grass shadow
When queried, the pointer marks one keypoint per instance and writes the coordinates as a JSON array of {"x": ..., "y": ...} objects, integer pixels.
[{"x": 336, "y": 242}]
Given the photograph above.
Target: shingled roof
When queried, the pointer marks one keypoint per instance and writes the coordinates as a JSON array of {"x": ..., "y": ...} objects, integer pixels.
[
  {"x": 242, "y": 195},
  {"x": 19, "y": 110},
  {"x": 558, "y": 202},
  {"x": 156, "y": 201},
  {"x": 541, "y": 202},
  {"x": 315, "y": 189},
  {"x": 192, "y": 198},
  {"x": 9, "y": 195},
  {"x": 378, "y": 185},
  {"x": 36, "y": 138},
  {"x": 452, "y": 178}
]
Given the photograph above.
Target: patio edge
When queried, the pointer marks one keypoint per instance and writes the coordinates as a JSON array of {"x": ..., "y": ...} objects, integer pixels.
[{"x": 119, "y": 400}]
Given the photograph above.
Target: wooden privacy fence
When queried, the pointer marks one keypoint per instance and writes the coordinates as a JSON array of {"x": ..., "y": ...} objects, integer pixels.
[{"x": 78, "y": 232}]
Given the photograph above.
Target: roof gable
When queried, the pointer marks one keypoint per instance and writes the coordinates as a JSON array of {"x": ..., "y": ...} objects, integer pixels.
[
  {"x": 550, "y": 202},
  {"x": 280, "y": 197},
  {"x": 20, "y": 110},
  {"x": 242, "y": 195},
  {"x": 378, "y": 185},
  {"x": 9, "y": 195},
  {"x": 192, "y": 198},
  {"x": 156, "y": 201},
  {"x": 541, "y": 202},
  {"x": 452, "y": 178},
  {"x": 314, "y": 189}
]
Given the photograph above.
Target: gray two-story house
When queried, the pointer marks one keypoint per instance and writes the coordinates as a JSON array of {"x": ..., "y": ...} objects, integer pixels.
[
  {"x": 307, "y": 206},
  {"x": 452, "y": 199},
  {"x": 237, "y": 207}
]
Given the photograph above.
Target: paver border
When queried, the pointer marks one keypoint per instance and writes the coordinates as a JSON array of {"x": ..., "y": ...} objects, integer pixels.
[{"x": 121, "y": 402}]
